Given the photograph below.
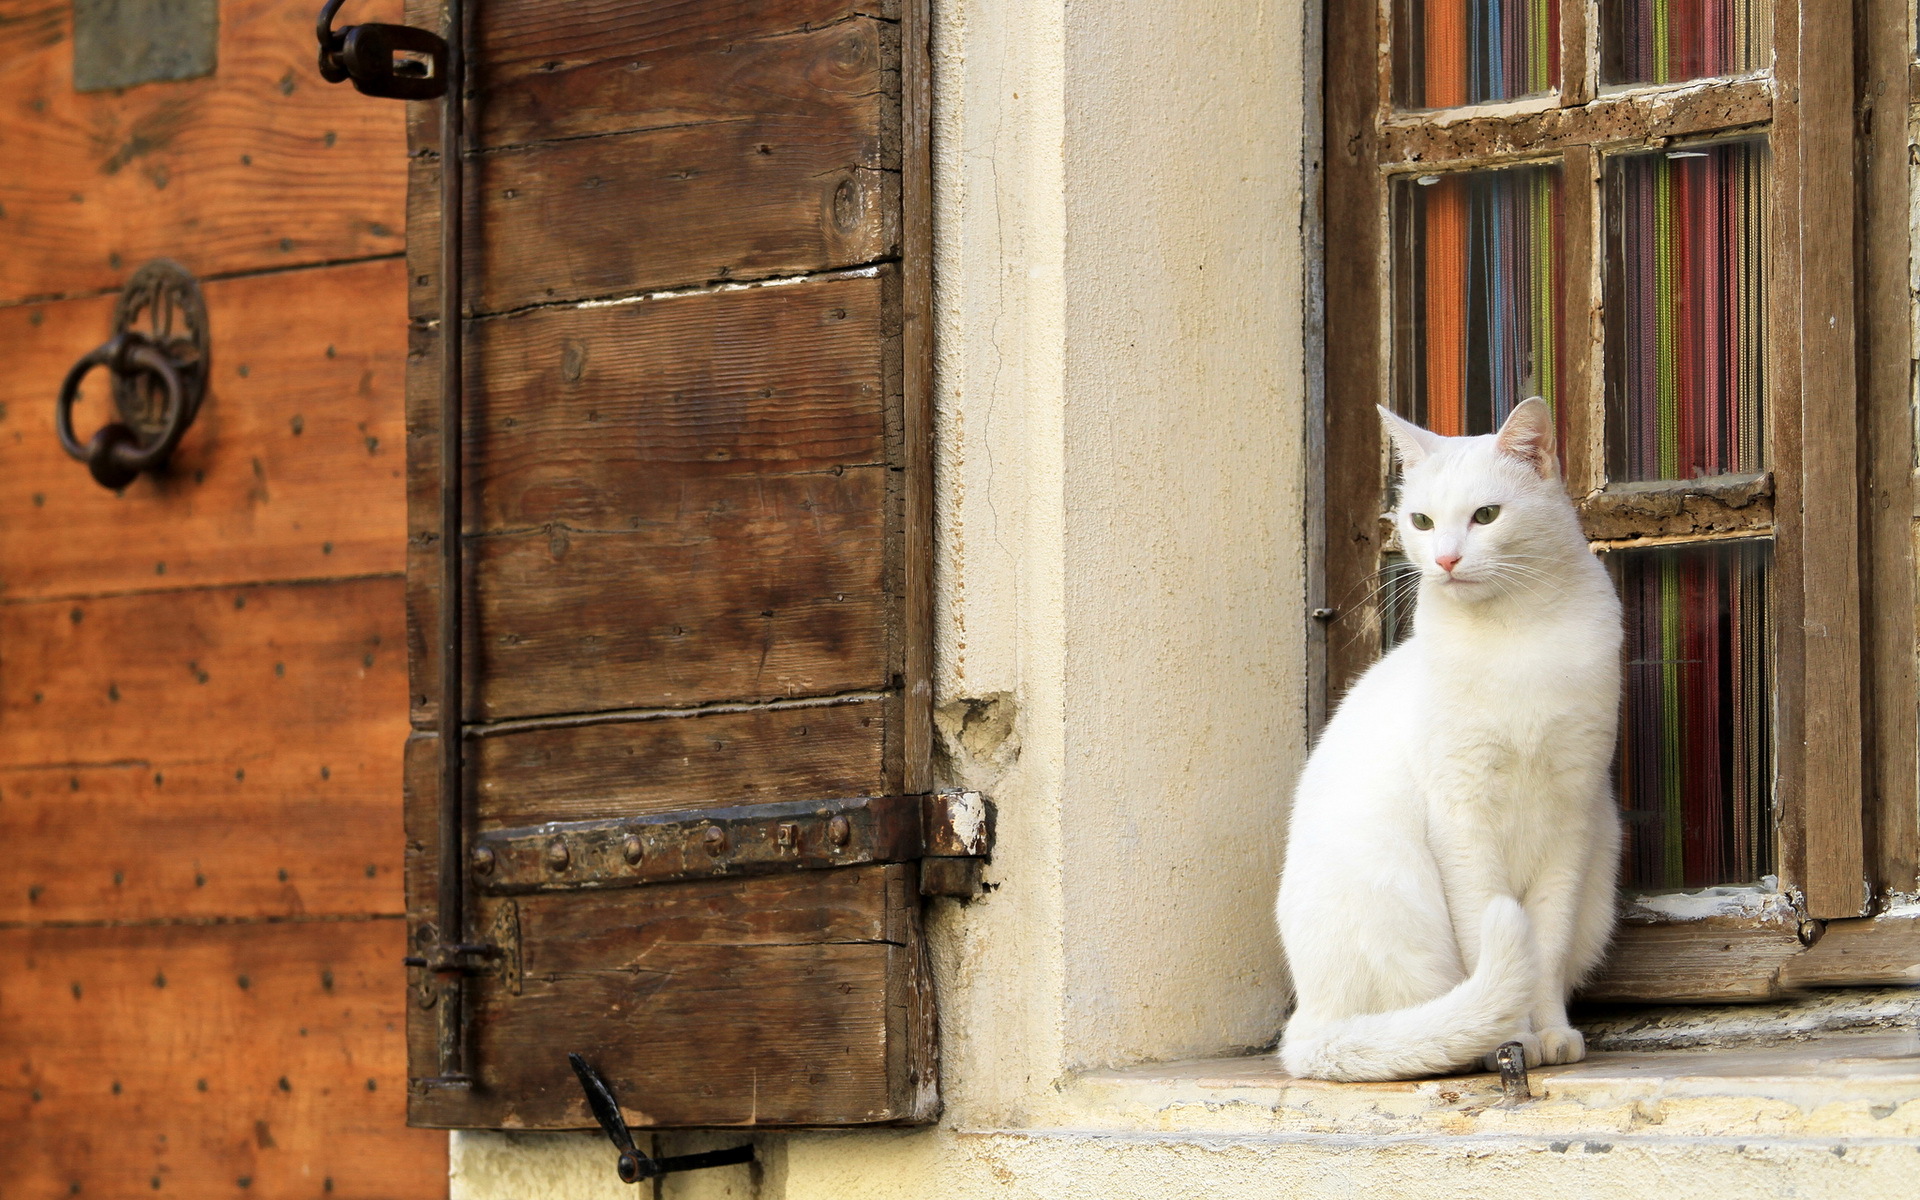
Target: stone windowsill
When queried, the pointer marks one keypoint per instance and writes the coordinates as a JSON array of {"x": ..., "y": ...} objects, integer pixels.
[{"x": 1847, "y": 1085}]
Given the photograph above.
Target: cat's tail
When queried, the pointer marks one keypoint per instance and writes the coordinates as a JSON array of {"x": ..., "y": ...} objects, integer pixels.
[{"x": 1442, "y": 1035}]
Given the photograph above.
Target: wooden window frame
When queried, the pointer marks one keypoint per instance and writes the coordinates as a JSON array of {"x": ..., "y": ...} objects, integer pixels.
[{"x": 1838, "y": 494}]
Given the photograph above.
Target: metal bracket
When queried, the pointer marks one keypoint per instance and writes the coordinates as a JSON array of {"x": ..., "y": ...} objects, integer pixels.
[
  {"x": 757, "y": 839},
  {"x": 1512, "y": 1058},
  {"x": 636, "y": 1165}
]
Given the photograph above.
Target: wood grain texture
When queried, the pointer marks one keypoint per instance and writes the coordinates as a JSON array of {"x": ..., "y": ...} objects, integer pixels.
[
  {"x": 305, "y": 403},
  {"x": 1887, "y": 559},
  {"x": 916, "y": 335},
  {"x": 1884, "y": 950},
  {"x": 1697, "y": 962},
  {"x": 675, "y": 763},
  {"x": 1356, "y": 375},
  {"x": 687, "y": 493},
  {"x": 768, "y": 1001},
  {"x": 208, "y": 1060},
  {"x": 258, "y": 166},
  {"x": 598, "y": 417},
  {"x": 758, "y": 589},
  {"x": 240, "y": 677},
  {"x": 761, "y": 64},
  {"x": 225, "y": 752},
  {"x": 533, "y": 60},
  {"x": 314, "y": 831},
  {"x": 610, "y": 216},
  {"x": 1833, "y": 866}
]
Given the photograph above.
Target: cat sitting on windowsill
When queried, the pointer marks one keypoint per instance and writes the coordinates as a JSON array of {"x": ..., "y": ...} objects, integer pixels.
[{"x": 1451, "y": 854}]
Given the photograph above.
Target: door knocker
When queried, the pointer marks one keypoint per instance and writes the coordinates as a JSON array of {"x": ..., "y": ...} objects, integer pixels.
[{"x": 158, "y": 357}]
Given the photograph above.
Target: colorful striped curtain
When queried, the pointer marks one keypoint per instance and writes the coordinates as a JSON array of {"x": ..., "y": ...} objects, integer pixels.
[
  {"x": 1665, "y": 41},
  {"x": 1454, "y": 52},
  {"x": 1687, "y": 315},
  {"x": 1477, "y": 302},
  {"x": 1696, "y": 746}
]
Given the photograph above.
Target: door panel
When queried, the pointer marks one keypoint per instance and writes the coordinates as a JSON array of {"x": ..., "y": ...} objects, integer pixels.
[
  {"x": 299, "y": 413},
  {"x": 257, "y": 167},
  {"x": 202, "y": 677},
  {"x": 291, "y": 1028}
]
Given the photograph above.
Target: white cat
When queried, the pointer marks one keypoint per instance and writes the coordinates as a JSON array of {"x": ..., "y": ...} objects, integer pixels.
[{"x": 1456, "y": 812}]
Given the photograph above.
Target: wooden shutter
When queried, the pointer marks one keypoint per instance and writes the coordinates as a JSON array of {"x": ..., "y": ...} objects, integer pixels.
[{"x": 695, "y": 588}]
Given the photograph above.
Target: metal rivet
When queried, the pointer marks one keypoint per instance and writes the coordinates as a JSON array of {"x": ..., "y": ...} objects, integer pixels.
[
  {"x": 632, "y": 849},
  {"x": 715, "y": 840},
  {"x": 838, "y": 831},
  {"x": 558, "y": 856},
  {"x": 789, "y": 833},
  {"x": 483, "y": 860}
]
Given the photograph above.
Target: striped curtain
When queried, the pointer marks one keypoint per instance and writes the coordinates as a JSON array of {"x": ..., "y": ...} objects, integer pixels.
[
  {"x": 1477, "y": 301},
  {"x": 1696, "y": 746},
  {"x": 1665, "y": 41},
  {"x": 1454, "y": 52},
  {"x": 1688, "y": 353}
]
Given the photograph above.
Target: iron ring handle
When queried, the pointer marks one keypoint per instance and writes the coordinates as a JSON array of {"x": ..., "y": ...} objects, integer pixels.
[{"x": 114, "y": 455}]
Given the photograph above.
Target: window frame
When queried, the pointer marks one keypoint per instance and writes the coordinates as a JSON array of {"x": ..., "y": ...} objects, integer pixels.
[{"x": 1837, "y": 496}]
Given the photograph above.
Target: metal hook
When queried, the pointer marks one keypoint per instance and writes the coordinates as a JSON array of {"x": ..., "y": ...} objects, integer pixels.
[{"x": 635, "y": 1164}]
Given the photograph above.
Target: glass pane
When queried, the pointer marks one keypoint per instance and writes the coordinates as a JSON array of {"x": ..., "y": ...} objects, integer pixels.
[
  {"x": 1696, "y": 742},
  {"x": 1454, "y": 52},
  {"x": 1665, "y": 41},
  {"x": 1477, "y": 305},
  {"x": 1686, "y": 311}
]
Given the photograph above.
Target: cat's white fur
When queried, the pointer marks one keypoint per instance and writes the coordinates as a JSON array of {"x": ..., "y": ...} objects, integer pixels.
[{"x": 1450, "y": 865}]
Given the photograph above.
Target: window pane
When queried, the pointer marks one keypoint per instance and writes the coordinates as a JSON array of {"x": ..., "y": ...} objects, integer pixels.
[
  {"x": 1454, "y": 52},
  {"x": 1477, "y": 306},
  {"x": 1686, "y": 311},
  {"x": 1696, "y": 742},
  {"x": 1665, "y": 41},
  {"x": 1396, "y": 590}
]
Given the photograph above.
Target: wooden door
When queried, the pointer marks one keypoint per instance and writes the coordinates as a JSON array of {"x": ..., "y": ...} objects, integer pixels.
[{"x": 203, "y": 693}]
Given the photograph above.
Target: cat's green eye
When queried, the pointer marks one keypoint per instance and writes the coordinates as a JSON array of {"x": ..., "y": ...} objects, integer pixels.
[
  {"x": 1485, "y": 514},
  {"x": 1421, "y": 520}
]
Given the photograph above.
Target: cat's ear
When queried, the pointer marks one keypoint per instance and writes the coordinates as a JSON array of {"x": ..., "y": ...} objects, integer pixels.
[
  {"x": 1528, "y": 436},
  {"x": 1411, "y": 444}
]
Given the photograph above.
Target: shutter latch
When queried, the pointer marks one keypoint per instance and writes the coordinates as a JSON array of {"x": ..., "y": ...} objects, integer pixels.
[
  {"x": 396, "y": 62},
  {"x": 635, "y": 1165}
]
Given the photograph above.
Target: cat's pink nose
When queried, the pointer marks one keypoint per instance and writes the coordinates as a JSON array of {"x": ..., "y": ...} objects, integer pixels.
[{"x": 1447, "y": 562}]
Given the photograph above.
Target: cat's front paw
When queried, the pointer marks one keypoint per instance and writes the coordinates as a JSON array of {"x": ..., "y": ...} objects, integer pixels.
[
  {"x": 1530, "y": 1049},
  {"x": 1562, "y": 1044}
]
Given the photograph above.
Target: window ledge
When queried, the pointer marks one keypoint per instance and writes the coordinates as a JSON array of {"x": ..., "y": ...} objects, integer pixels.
[{"x": 1851, "y": 1085}]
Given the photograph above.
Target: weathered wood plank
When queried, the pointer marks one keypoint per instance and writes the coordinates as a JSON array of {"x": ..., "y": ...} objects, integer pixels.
[
  {"x": 1624, "y": 119},
  {"x": 552, "y": 85},
  {"x": 1356, "y": 361},
  {"x": 1884, "y": 950},
  {"x": 1887, "y": 559},
  {"x": 755, "y": 591},
  {"x": 594, "y": 416},
  {"x": 673, "y": 763},
  {"x": 208, "y": 1060},
  {"x": 1833, "y": 838},
  {"x": 306, "y": 396},
  {"x": 1696, "y": 962},
  {"x": 916, "y": 453},
  {"x": 727, "y": 1002},
  {"x": 608, "y": 216},
  {"x": 1669, "y": 509},
  {"x": 257, "y": 166},
  {"x": 747, "y": 589},
  {"x": 314, "y": 831},
  {"x": 239, "y": 677}
]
